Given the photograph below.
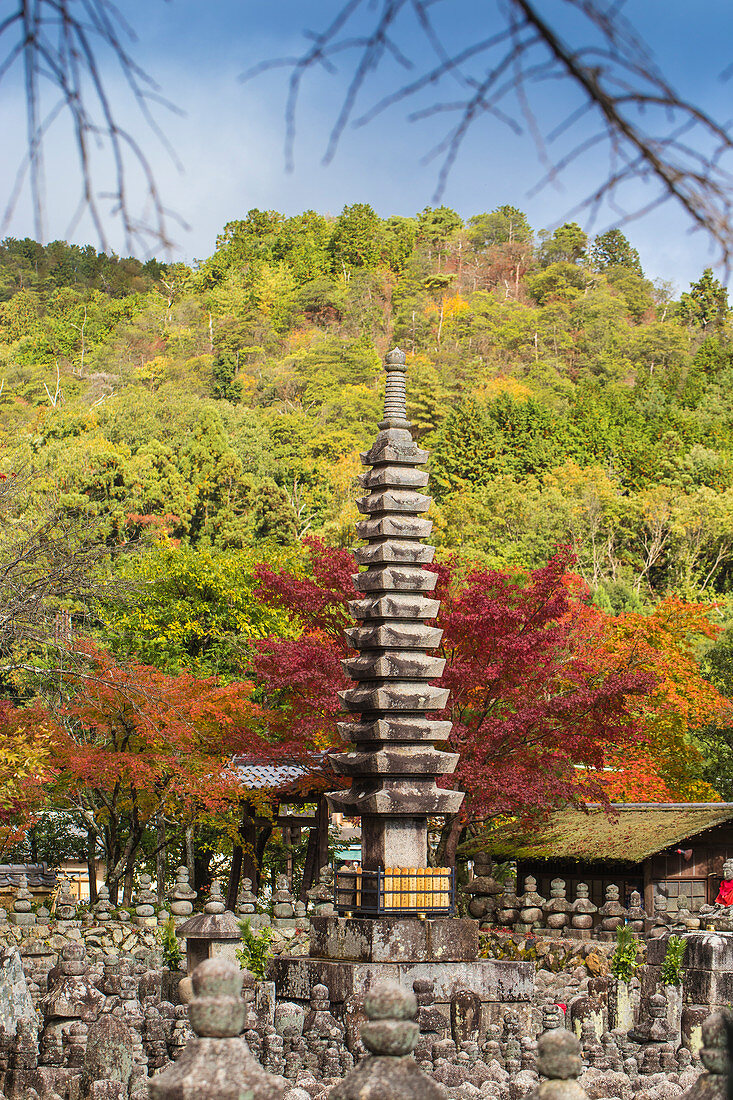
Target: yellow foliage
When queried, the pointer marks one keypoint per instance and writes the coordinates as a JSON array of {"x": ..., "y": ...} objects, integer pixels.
[
  {"x": 454, "y": 306},
  {"x": 153, "y": 371},
  {"x": 24, "y": 753},
  {"x": 512, "y": 387},
  {"x": 344, "y": 471}
]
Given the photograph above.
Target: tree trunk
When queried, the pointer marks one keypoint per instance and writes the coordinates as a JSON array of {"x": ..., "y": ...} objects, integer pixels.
[
  {"x": 202, "y": 869},
  {"x": 323, "y": 820},
  {"x": 160, "y": 858},
  {"x": 189, "y": 855},
  {"x": 235, "y": 876},
  {"x": 92, "y": 865},
  {"x": 263, "y": 836},
  {"x": 129, "y": 883},
  {"x": 309, "y": 867},
  {"x": 449, "y": 839}
]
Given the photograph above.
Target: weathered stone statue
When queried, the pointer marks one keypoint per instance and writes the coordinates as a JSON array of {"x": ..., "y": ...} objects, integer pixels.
[
  {"x": 182, "y": 897},
  {"x": 558, "y": 1060},
  {"x": 23, "y": 914},
  {"x": 612, "y": 912},
  {"x": 218, "y": 1061},
  {"x": 484, "y": 891},
  {"x": 283, "y": 903},
  {"x": 661, "y": 919},
  {"x": 713, "y": 1084},
  {"x": 637, "y": 914},
  {"x": 508, "y": 906},
  {"x": 556, "y": 908},
  {"x": 531, "y": 906},
  {"x": 145, "y": 898},
  {"x": 391, "y": 1035},
  {"x": 720, "y": 914},
  {"x": 582, "y": 911},
  {"x": 321, "y": 895}
]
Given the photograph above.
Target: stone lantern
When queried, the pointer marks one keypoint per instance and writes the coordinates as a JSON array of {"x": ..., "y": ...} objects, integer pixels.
[{"x": 212, "y": 933}]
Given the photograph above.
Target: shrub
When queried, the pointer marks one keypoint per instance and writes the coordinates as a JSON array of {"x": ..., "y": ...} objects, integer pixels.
[
  {"x": 170, "y": 945},
  {"x": 254, "y": 954},
  {"x": 671, "y": 972},
  {"x": 623, "y": 961}
]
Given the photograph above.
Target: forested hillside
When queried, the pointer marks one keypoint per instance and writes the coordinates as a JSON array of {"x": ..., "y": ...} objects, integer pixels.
[
  {"x": 212, "y": 417},
  {"x": 563, "y": 397}
]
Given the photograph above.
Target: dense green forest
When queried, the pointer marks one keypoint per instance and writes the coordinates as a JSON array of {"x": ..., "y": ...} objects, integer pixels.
[{"x": 216, "y": 412}]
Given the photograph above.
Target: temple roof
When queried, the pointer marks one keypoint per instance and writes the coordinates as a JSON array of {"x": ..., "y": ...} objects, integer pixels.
[
  {"x": 634, "y": 832},
  {"x": 37, "y": 874}
]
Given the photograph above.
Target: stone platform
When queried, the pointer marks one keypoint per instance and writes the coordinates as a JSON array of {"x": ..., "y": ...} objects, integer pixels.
[
  {"x": 349, "y": 955},
  {"x": 395, "y": 939},
  {"x": 494, "y": 981}
]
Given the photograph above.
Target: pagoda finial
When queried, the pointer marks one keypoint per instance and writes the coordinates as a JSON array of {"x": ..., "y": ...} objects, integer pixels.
[{"x": 395, "y": 395}]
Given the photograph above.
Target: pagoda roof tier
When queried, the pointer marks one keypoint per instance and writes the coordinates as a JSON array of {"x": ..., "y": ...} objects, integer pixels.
[
  {"x": 394, "y": 477},
  {"x": 395, "y": 695},
  {"x": 399, "y": 526},
  {"x": 394, "y": 446},
  {"x": 404, "y": 801},
  {"x": 395, "y": 727},
  {"x": 403, "y": 760},
  {"x": 394, "y": 635},
  {"x": 394, "y": 664},
  {"x": 394, "y": 605},
  {"x": 391, "y": 578},
  {"x": 394, "y": 550},
  {"x": 393, "y": 501}
]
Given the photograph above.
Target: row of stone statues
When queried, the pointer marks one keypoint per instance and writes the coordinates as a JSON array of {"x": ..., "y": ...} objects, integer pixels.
[
  {"x": 498, "y": 905},
  {"x": 146, "y": 911}
]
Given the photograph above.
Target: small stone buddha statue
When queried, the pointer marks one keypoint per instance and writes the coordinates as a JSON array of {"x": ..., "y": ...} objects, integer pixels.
[
  {"x": 720, "y": 914},
  {"x": 725, "y": 893}
]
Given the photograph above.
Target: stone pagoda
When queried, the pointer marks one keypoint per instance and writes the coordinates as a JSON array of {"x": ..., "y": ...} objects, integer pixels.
[
  {"x": 393, "y": 924},
  {"x": 394, "y": 763}
]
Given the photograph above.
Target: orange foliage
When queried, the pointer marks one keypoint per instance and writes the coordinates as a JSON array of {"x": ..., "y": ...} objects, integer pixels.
[{"x": 662, "y": 643}]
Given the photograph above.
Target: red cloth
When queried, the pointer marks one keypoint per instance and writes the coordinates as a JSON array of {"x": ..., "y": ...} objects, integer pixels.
[{"x": 725, "y": 893}]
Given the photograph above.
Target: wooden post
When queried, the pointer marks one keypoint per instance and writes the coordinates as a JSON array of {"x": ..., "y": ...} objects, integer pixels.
[
  {"x": 323, "y": 820},
  {"x": 648, "y": 888}
]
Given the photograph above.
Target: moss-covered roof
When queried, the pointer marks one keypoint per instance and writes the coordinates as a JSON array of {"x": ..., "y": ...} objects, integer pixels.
[{"x": 629, "y": 836}]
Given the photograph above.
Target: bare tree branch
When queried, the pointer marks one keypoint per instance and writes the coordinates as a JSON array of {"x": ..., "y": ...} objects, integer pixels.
[
  {"x": 48, "y": 562},
  {"x": 61, "y": 45},
  {"x": 638, "y": 116}
]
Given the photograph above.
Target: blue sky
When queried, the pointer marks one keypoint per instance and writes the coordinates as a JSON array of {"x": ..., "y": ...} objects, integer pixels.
[{"x": 230, "y": 137}]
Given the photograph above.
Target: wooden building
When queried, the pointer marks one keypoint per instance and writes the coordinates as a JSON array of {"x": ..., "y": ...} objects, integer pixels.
[
  {"x": 674, "y": 849},
  {"x": 286, "y": 796}
]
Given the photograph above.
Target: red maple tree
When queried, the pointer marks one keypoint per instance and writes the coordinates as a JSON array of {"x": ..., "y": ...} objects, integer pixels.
[
  {"x": 537, "y": 699},
  {"x": 131, "y": 745}
]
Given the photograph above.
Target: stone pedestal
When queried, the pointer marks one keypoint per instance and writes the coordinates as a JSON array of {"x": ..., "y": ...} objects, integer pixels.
[
  {"x": 349, "y": 955},
  {"x": 707, "y": 981},
  {"x": 395, "y": 939}
]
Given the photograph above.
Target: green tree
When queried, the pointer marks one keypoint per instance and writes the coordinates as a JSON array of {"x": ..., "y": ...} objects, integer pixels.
[
  {"x": 436, "y": 226},
  {"x": 504, "y": 225},
  {"x": 357, "y": 239},
  {"x": 705, "y": 304},
  {"x": 612, "y": 249},
  {"x": 568, "y": 244}
]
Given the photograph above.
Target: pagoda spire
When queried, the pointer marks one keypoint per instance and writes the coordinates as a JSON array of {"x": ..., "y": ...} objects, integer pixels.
[{"x": 393, "y": 762}]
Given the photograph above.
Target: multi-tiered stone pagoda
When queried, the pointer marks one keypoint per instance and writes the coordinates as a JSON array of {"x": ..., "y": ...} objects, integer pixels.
[
  {"x": 404, "y": 929},
  {"x": 394, "y": 763}
]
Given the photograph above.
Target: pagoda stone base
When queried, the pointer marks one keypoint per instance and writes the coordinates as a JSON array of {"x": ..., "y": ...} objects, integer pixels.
[
  {"x": 394, "y": 939},
  {"x": 349, "y": 955},
  {"x": 493, "y": 980}
]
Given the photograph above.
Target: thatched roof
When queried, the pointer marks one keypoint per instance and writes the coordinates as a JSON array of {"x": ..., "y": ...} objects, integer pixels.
[{"x": 631, "y": 834}]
